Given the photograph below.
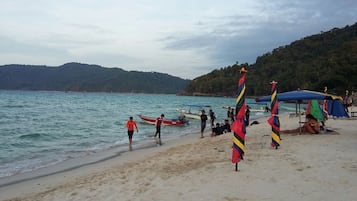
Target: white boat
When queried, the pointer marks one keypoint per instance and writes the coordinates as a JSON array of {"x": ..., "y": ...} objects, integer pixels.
[
  {"x": 194, "y": 111},
  {"x": 262, "y": 108}
]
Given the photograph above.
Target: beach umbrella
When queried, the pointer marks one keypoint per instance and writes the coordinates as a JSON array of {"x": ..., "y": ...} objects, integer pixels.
[
  {"x": 238, "y": 125},
  {"x": 274, "y": 119}
]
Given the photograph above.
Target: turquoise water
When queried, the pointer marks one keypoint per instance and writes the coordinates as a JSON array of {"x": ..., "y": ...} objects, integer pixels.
[{"x": 39, "y": 129}]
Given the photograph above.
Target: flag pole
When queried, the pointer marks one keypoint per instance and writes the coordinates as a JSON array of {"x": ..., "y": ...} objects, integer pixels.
[
  {"x": 274, "y": 119},
  {"x": 238, "y": 126}
]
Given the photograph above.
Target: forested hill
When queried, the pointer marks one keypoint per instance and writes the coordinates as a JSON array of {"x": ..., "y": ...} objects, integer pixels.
[
  {"x": 90, "y": 78},
  {"x": 325, "y": 59}
]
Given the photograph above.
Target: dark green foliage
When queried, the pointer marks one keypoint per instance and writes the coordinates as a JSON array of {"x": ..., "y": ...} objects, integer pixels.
[
  {"x": 221, "y": 82},
  {"x": 83, "y": 77},
  {"x": 325, "y": 59}
]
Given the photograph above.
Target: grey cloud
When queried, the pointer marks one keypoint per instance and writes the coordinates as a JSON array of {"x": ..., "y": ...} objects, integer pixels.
[
  {"x": 184, "y": 42},
  {"x": 12, "y": 46},
  {"x": 226, "y": 47},
  {"x": 110, "y": 59},
  {"x": 245, "y": 37}
]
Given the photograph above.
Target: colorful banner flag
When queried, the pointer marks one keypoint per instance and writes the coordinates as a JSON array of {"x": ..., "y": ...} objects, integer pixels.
[
  {"x": 274, "y": 119},
  {"x": 238, "y": 125}
]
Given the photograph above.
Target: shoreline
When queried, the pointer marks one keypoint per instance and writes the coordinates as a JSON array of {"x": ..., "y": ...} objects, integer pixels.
[
  {"x": 79, "y": 162},
  {"x": 54, "y": 174},
  {"x": 190, "y": 168},
  {"x": 92, "y": 157}
]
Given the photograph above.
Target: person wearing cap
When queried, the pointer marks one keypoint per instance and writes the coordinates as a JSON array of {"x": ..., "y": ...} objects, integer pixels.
[
  {"x": 131, "y": 124},
  {"x": 158, "y": 126}
]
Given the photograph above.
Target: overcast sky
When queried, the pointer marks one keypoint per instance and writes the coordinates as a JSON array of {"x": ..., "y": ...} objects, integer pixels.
[{"x": 184, "y": 38}]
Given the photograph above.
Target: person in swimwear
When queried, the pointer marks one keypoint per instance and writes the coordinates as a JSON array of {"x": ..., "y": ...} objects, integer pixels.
[{"x": 310, "y": 126}]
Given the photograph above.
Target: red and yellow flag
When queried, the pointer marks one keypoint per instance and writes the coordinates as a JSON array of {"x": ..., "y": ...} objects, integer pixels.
[
  {"x": 238, "y": 125},
  {"x": 274, "y": 119}
]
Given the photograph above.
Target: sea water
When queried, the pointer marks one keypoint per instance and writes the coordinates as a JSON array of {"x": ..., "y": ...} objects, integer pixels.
[{"x": 40, "y": 129}]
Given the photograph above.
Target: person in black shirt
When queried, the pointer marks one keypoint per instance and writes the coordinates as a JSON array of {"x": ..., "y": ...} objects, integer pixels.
[
  {"x": 212, "y": 116},
  {"x": 231, "y": 115},
  {"x": 247, "y": 114},
  {"x": 203, "y": 122}
]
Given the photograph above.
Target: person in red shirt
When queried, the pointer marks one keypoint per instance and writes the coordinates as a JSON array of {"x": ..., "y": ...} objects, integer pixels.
[
  {"x": 158, "y": 126},
  {"x": 131, "y": 125}
]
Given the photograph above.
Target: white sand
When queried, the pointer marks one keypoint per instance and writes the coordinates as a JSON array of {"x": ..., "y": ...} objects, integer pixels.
[{"x": 306, "y": 167}]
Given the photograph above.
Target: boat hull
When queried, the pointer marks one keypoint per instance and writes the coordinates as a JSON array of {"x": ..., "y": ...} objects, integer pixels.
[
  {"x": 192, "y": 115},
  {"x": 165, "y": 122}
]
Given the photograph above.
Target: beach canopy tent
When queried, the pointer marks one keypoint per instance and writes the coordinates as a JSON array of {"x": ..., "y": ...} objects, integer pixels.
[
  {"x": 336, "y": 109},
  {"x": 299, "y": 96}
]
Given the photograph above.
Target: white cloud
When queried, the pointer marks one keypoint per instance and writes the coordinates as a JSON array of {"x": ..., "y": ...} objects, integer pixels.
[{"x": 182, "y": 38}]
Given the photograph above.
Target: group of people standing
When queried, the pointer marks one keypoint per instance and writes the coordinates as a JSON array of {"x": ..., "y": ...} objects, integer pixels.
[
  {"x": 204, "y": 119},
  {"x": 230, "y": 114},
  {"x": 217, "y": 129}
]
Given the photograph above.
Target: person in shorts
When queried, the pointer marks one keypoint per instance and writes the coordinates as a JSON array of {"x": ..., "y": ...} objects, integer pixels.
[
  {"x": 131, "y": 125},
  {"x": 158, "y": 123},
  {"x": 203, "y": 122}
]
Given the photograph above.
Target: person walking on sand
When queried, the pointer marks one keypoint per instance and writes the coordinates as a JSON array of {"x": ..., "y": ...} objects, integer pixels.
[
  {"x": 203, "y": 122},
  {"x": 158, "y": 127},
  {"x": 131, "y": 125}
]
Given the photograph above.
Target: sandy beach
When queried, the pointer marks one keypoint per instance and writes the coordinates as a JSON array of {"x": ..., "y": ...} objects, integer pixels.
[{"x": 306, "y": 167}]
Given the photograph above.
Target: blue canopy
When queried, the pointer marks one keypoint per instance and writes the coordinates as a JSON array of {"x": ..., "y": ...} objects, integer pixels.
[
  {"x": 336, "y": 109},
  {"x": 299, "y": 95}
]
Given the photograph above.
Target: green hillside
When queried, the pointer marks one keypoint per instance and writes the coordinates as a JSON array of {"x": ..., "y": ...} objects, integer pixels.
[
  {"x": 84, "y": 77},
  {"x": 325, "y": 59}
]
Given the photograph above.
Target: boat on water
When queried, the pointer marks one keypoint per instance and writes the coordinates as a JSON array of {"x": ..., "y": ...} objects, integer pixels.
[
  {"x": 165, "y": 122},
  {"x": 255, "y": 108},
  {"x": 194, "y": 111}
]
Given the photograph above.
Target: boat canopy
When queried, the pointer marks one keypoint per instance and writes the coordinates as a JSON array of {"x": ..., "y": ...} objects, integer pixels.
[
  {"x": 197, "y": 105},
  {"x": 300, "y": 95}
]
